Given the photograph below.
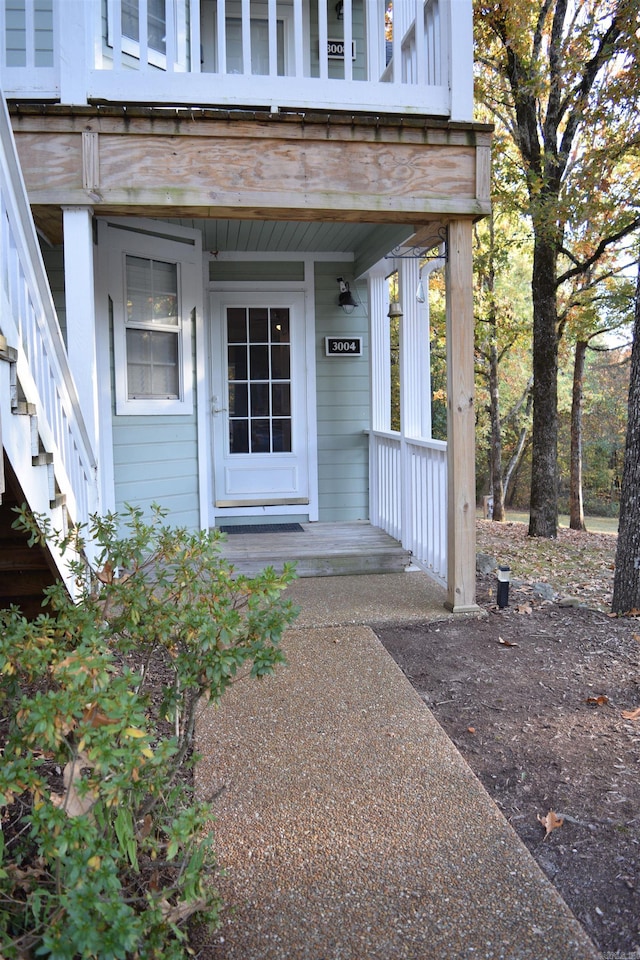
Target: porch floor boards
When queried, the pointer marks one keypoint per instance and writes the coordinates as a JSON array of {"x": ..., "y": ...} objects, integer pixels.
[{"x": 321, "y": 550}]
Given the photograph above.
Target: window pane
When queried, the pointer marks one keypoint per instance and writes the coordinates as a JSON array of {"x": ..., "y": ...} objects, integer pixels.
[
  {"x": 281, "y": 400},
  {"x": 260, "y": 439},
  {"x": 155, "y": 23},
  {"x": 152, "y": 291},
  {"x": 237, "y": 363},
  {"x": 238, "y": 405},
  {"x": 279, "y": 326},
  {"x": 259, "y": 363},
  {"x": 152, "y": 364},
  {"x": 281, "y": 436},
  {"x": 259, "y": 325},
  {"x": 237, "y": 325},
  {"x": 238, "y": 436},
  {"x": 280, "y": 369},
  {"x": 259, "y": 399}
]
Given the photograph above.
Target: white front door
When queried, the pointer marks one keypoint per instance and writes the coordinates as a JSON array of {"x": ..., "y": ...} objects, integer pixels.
[{"x": 259, "y": 400}]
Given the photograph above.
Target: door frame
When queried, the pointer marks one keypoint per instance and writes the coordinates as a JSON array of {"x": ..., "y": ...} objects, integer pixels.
[{"x": 216, "y": 514}]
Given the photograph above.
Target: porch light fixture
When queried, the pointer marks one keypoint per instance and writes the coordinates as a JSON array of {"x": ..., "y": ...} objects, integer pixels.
[
  {"x": 345, "y": 297},
  {"x": 340, "y": 10},
  {"x": 395, "y": 310}
]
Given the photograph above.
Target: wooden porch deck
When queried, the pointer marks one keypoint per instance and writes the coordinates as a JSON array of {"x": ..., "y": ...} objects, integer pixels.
[{"x": 320, "y": 550}]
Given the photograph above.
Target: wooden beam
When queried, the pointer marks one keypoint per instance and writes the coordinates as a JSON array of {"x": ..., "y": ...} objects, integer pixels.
[
  {"x": 163, "y": 166},
  {"x": 461, "y": 576}
]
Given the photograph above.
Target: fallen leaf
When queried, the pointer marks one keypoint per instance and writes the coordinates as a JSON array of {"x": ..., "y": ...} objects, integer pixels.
[
  {"x": 507, "y": 643},
  {"x": 631, "y": 714},
  {"x": 550, "y": 822},
  {"x": 471, "y": 729},
  {"x": 523, "y": 608},
  {"x": 95, "y": 717},
  {"x": 599, "y": 701}
]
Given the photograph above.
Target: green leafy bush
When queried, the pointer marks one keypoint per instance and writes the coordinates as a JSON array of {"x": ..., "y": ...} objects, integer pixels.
[{"x": 104, "y": 852}]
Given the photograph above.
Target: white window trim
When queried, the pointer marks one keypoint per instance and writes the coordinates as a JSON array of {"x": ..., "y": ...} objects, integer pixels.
[{"x": 130, "y": 243}]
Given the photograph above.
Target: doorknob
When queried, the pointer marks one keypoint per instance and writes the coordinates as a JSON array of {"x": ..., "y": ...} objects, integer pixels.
[{"x": 215, "y": 408}]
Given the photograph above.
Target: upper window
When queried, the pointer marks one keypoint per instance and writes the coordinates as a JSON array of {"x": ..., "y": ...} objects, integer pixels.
[{"x": 155, "y": 30}]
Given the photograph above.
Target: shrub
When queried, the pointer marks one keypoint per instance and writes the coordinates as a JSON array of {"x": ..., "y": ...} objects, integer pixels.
[{"x": 104, "y": 852}]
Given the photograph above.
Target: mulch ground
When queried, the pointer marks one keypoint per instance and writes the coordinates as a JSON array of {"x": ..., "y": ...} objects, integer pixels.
[{"x": 539, "y": 698}]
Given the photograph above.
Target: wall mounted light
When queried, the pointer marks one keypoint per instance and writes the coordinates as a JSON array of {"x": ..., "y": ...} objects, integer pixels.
[
  {"x": 345, "y": 297},
  {"x": 340, "y": 10},
  {"x": 395, "y": 310}
]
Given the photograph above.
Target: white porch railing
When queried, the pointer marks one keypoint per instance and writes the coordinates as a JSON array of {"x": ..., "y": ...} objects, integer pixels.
[
  {"x": 257, "y": 53},
  {"x": 409, "y": 496},
  {"x": 34, "y": 371}
]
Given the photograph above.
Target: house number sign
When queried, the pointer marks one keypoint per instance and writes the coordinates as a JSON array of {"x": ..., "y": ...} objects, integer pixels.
[
  {"x": 335, "y": 49},
  {"x": 343, "y": 346}
]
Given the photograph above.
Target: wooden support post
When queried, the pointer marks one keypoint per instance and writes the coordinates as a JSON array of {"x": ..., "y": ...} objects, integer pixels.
[
  {"x": 80, "y": 311},
  {"x": 461, "y": 578}
]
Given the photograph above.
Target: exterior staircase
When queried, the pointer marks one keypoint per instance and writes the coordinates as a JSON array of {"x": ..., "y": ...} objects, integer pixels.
[
  {"x": 24, "y": 571},
  {"x": 47, "y": 457}
]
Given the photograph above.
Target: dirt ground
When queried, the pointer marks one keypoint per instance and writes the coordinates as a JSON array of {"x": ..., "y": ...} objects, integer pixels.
[{"x": 534, "y": 696}]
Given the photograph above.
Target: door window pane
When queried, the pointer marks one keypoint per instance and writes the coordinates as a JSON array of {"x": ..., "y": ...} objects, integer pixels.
[
  {"x": 239, "y": 436},
  {"x": 258, "y": 325},
  {"x": 259, "y": 359},
  {"x": 259, "y": 408},
  {"x": 238, "y": 400},
  {"x": 259, "y": 399},
  {"x": 280, "y": 368},
  {"x": 237, "y": 325},
  {"x": 281, "y": 400}
]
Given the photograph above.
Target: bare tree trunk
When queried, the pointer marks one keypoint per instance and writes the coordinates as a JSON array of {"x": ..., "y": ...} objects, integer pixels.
[
  {"x": 576, "y": 506},
  {"x": 626, "y": 580}
]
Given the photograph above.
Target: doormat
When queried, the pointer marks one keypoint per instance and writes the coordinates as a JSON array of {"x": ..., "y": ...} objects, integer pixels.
[{"x": 262, "y": 528}]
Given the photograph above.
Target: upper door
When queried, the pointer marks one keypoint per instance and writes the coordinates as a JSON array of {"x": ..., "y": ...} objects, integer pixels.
[{"x": 259, "y": 400}]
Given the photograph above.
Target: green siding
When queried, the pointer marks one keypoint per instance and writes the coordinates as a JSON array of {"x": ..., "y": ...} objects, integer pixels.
[
  {"x": 343, "y": 408},
  {"x": 155, "y": 460}
]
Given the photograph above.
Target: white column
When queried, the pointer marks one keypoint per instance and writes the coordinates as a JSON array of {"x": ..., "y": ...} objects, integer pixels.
[
  {"x": 80, "y": 311},
  {"x": 379, "y": 350},
  {"x": 461, "y": 494}
]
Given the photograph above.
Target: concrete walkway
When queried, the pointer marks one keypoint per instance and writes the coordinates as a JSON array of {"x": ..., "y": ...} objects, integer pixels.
[{"x": 350, "y": 827}]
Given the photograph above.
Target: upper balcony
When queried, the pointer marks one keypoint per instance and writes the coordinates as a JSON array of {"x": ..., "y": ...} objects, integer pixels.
[{"x": 407, "y": 57}]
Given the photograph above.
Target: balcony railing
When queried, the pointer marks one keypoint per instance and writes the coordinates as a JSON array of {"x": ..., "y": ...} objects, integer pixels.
[
  {"x": 408, "y": 498},
  {"x": 406, "y": 57}
]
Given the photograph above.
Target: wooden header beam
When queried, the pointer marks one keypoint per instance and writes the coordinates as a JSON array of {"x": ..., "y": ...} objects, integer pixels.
[{"x": 161, "y": 165}]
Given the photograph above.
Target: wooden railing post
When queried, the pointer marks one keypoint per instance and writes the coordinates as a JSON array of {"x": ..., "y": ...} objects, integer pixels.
[{"x": 461, "y": 495}]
